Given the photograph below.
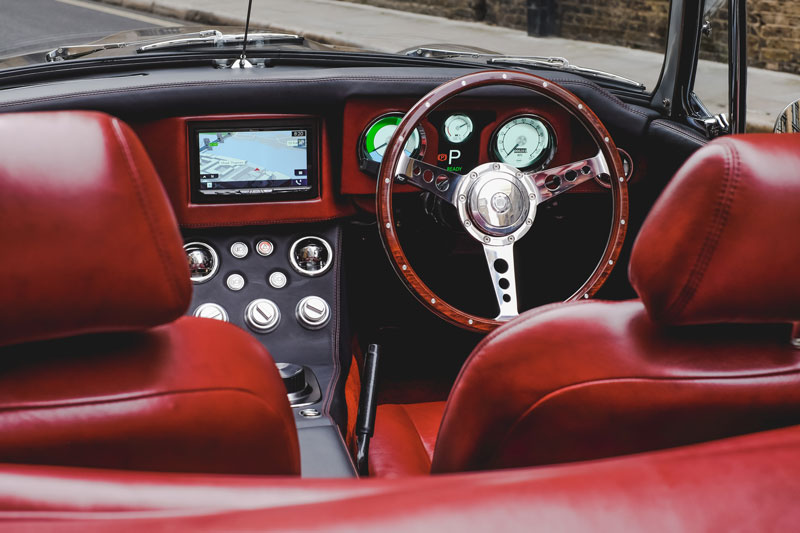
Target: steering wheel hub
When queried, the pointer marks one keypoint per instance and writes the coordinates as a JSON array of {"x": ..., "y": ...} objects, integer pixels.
[
  {"x": 500, "y": 202},
  {"x": 497, "y": 202}
]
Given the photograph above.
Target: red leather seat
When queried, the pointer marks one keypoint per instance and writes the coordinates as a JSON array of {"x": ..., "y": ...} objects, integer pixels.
[
  {"x": 704, "y": 353},
  {"x": 97, "y": 367},
  {"x": 747, "y": 483},
  {"x": 404, "y": 442}
]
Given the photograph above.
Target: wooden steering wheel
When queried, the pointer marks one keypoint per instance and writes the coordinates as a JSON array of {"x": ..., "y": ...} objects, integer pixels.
[{"x": 496, "y": 202}]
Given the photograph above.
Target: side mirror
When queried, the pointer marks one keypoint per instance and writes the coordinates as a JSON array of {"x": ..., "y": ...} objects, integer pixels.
[{"x": 789, "y": 119}]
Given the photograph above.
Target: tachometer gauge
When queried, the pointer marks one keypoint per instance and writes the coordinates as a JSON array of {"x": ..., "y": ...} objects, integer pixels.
[
  {"x": 524, "y": 141},
  {"x": 376, "y": 137},
  {"x": 458, "y": 128}
]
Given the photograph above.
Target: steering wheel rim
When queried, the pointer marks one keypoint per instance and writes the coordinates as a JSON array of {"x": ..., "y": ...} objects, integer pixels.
[{"x": 399, "y": 167}]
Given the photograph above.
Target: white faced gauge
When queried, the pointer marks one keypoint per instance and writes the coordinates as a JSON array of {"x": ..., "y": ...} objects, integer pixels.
[
  {"x": 523, "y": 142},
  {"x": 458, "y": 128}
]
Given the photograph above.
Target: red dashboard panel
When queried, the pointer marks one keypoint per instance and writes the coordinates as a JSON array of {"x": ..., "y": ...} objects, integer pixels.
[
  {"x": 167, "y": 142},
  {"x": 572, "y": 141}
]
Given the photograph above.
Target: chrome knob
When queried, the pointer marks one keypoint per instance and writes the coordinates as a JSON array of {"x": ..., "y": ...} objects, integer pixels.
[
  {"x": 235, "y": 282},
  {"x": 262, "y": 315},
  {"x": 203, "y": 261},
  {"x": 311, "y": 256},
  {"x": 211, "y": 310},
  {"x": 277, "y": 280},
  {"x": 313, "y": 312},
  {"x": 239, "y": 250}
]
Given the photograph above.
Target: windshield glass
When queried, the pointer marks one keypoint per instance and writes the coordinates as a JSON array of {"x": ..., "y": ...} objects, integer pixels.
[{"x": 625, "y": 38}]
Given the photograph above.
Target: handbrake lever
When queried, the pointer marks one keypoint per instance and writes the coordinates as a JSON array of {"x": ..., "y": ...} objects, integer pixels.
[{"x": 365, "y": 421}]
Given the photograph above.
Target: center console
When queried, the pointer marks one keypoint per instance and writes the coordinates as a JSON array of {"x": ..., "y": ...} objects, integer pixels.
[
  {"x": 283, "y": 285},
  {"x": 263, "y": 243}
]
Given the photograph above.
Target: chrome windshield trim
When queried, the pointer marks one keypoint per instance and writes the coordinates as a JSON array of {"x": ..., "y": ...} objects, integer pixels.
[
  {"x": 79, "y": 50},
  {"x": 219, "y": 39}
]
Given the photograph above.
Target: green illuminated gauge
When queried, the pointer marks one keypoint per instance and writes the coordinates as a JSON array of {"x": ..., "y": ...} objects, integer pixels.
[
  {"x": 376, "y": 137},
  {"x": 524, "y": 141},
  {"x": 458, "y": 128}
]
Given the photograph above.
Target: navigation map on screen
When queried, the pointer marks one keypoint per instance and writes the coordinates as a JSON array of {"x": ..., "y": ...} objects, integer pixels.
[{"x": 253, "y": 161}]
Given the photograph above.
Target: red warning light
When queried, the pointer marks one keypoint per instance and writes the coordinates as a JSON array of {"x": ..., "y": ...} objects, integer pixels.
[{"x": 442, "y": 157}]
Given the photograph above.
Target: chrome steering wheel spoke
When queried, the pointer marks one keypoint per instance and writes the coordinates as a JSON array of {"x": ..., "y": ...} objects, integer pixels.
[
  {"x": 500, "y": 260},
  {"x": 553, "y": 181},
  {"x": 430, "y": 178}
]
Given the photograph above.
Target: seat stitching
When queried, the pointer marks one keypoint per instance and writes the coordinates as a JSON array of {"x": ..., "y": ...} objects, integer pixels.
[
  {"x": 266, "y": 406},
  {"x": 509, "y": 328},
  {"x": 124, "y": 398},
  {"x": 685, "y": 133},
  {"x": 722, "y": 208},
  {"x": 563, "y": 390},
  {"x": 264, "y": 221},
  {"x": 416, "y": 433},
  {"x": 141, "y": 194},
  {"x": 601, "y": 92}
]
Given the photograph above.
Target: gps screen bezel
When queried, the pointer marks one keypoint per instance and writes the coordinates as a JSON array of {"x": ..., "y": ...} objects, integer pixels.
[{"x": 311, "y": 191}]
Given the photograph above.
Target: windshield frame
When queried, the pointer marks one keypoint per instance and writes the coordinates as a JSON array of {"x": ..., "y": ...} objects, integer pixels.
[{"x": 674, "y": 82}]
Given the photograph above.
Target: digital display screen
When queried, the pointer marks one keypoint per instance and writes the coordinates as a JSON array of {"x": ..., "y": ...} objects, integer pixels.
[{"x": 241, "y": 162}]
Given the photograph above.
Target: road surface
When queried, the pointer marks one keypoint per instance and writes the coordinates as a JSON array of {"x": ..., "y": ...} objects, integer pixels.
[{"x": 42, "y": 24}]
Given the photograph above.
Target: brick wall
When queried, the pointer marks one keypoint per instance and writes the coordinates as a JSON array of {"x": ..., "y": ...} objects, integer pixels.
[
  {"x": 773, "y": 25},
  {"x": 452, "y": 9},
  {"x": 774, "y": 34},
  {"x": 508, "y": 13}
]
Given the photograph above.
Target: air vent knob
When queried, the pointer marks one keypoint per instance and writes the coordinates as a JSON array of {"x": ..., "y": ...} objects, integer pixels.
[
  {"x": 313, "y": 312},
  {"x": 211, "y": 310},
  {"x": 262, "y": 315}
]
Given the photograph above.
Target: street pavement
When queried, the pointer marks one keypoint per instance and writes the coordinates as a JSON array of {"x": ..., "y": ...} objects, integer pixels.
[
  {"x": 32, "y": 25},
  {"x": 387, "y": 30}
]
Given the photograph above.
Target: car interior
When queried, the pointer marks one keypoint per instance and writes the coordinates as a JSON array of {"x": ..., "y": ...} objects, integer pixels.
[{"x": 501, "y": 331}]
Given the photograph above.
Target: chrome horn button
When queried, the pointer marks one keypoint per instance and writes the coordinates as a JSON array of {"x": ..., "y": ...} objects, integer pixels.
[{"x": 497, "y": 203}]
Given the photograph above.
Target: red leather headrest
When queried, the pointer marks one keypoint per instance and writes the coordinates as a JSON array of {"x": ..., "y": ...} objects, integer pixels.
[
  {"x": 722, "y": 243},
  {"x": 90, "y": 243}
]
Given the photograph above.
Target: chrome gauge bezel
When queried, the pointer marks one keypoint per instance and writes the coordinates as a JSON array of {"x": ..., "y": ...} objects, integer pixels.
[
  {"x": 363, "y": 154},
  {"x": 214, "y": 257},
  {"x": 455, "y": 116},
  {"x": 547, "y": 155},
  {"x": 311, "y": 273}
]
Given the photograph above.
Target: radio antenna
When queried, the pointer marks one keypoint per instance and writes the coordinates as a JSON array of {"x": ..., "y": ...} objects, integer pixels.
[{"x": 243, "y": 62}]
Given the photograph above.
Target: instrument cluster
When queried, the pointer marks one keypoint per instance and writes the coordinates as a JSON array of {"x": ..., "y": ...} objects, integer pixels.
[{"x": 525, "y": 141}]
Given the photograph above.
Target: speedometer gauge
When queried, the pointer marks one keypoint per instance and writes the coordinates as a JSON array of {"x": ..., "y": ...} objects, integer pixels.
[
  {"x": 376, "y": 137},
  {"x": 524, "y": 141}
]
